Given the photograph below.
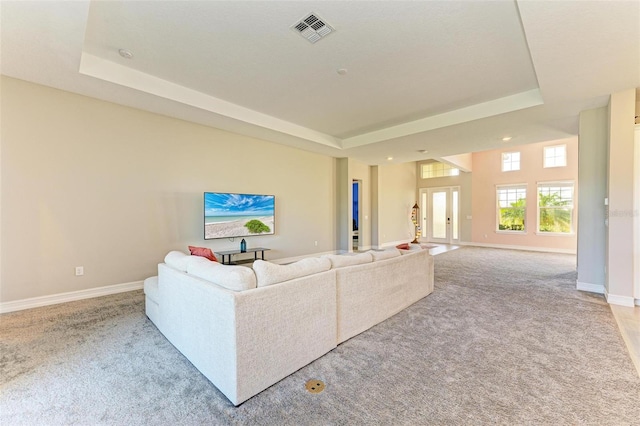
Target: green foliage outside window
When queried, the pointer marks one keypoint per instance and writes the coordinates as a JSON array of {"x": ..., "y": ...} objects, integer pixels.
[
  {"x": 512, "y": 217},
  {"x": 555, "y": 213}
]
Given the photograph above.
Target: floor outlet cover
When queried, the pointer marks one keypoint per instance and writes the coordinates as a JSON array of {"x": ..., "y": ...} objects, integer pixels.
[{"x": 314, "y": 386}]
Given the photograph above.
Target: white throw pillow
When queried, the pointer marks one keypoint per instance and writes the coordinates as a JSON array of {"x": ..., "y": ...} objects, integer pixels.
[
  {"x": 340, "y": 260},
  {"x": 178, "y": 260},
  {"x": 384, "y": 254},
  {"x": 268, "y": 273},
  {"x": 236, "y": 278}
]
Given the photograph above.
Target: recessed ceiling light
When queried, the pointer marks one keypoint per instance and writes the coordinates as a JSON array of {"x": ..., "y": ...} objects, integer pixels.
[
  {"x": 125, "y": 53},
  {"x": 422, "y": 151},
  {"x": 389, "y": 158},
  {"x": 342, "y": 71},
  {"x": 506, "y": 139}
]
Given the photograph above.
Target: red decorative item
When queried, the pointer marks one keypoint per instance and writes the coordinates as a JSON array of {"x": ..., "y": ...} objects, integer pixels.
[{"x": 204, "y": 252}]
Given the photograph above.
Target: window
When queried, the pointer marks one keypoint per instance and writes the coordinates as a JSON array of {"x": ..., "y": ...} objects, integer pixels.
[
  {"x": 555, "y": 207},
  {"x": 511, "y": 207},
  {"x": 433, "y": 170},
  {"x": 555, "y": 156},
  {"x": 510, "y": 161}
]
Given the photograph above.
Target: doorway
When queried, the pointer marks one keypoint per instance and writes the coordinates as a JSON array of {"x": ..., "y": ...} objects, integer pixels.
[
  {"x": 356, "y": 214},
  {"x": 441, "y": 214}
]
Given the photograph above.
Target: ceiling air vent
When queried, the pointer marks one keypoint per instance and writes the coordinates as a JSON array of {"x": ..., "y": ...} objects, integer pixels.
[{"x": 312, "y": 27}]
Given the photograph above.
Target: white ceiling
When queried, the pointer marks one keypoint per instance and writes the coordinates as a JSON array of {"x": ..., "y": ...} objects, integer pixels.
[{"x": 444, "y": 76}]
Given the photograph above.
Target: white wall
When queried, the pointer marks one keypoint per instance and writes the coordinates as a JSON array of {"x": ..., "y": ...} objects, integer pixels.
[
  {"x": 94, "y": 184},
  {"x": 620, "y": 263}
]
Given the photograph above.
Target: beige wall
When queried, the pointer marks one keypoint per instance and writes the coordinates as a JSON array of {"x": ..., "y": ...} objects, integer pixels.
[
  {"x": 396, "y": 196},
  {"x": 94, "y": 184},
  {"x": 487, "y": 174}
]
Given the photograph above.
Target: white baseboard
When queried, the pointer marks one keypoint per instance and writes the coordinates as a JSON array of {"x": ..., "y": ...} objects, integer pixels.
[
  {"x": 54, "y": 299},
  {"x": 614, "y": 299},
  {"x": 525, "y": 248},
  {"x": 591, "y": 288}
]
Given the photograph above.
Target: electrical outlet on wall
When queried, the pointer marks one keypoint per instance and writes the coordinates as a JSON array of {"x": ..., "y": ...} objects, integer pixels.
[{"x": 79, "y": 271}]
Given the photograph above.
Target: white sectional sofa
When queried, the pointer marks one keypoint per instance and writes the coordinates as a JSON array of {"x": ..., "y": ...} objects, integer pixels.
[{"x": 245, "y": 329}]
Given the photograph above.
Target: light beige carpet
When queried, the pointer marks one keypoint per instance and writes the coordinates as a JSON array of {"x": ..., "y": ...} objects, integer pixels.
[{"x": 504, "y": 339}]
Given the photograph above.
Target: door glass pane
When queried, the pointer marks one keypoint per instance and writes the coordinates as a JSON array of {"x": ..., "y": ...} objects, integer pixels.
[
  {"x": 454, "y": 214},
  {"x": 439, "y": 214}
]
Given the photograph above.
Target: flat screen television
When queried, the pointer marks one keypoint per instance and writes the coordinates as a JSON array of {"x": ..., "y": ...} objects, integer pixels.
[{"x": 228, "y": 215}]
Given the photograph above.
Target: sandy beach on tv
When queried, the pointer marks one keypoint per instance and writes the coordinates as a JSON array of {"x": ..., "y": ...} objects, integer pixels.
[{"x": 235, "y": 228}]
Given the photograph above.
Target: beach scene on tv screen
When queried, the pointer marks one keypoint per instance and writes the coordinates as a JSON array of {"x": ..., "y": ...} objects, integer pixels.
[{"x": 237, "y": 215}]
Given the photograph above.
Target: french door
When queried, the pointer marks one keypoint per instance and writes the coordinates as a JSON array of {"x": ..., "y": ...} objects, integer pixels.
[{"x": 440, "y": 209}]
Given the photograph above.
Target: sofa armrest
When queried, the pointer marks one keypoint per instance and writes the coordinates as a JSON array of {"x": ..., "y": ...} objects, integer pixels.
[
  {"x": 198, "y": 318},
  {"x": 283, "y": 327},
  {"x": 244, "y": 342}
]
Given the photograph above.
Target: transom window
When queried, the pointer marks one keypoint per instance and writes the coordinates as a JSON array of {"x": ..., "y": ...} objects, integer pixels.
[
  {"x": 434, "y": 170},
  {"x": 555, "y": 207},
  {"x": 555, "y": 156},
  {"x": 510, "y": 161},
  {"x": 511, "y": 208}
]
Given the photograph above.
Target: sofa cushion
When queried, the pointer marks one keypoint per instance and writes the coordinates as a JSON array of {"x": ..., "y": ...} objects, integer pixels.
[
  {"x": 177, "y": 260},
  {"x": 232, "y": 277},
  {"x": 268, "y": 273},
  {"x": 342, "y": 260},
  {"x": 384, "y": 254}
]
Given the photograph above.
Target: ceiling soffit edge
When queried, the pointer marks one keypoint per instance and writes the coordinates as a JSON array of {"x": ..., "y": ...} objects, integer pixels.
[
  {"x": 116, "y": 73},
  {"x": 499, "y": 106},
  {"x": 112, "y": 72},
  {"x": 106, "y": 70}
]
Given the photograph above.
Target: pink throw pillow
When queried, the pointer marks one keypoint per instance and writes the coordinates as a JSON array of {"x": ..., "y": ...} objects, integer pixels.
[
  {"x": 204, "y": 252},
  {"x": 404, "y": 246}
]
